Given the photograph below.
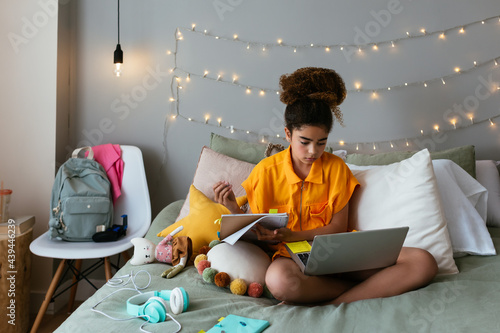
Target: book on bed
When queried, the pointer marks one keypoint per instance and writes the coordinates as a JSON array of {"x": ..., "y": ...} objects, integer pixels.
[{"x": 239, "y": 226}]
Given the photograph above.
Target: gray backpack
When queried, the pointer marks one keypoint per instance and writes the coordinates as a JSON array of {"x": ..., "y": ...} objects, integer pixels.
[{"x": 81, "y": 202}]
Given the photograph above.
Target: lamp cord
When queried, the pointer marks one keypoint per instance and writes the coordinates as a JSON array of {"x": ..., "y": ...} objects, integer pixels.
[{"x": 118, "y": 21}]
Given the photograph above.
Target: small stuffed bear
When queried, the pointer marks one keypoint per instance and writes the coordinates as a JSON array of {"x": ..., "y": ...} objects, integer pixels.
[{"x": 170, "y": 250}]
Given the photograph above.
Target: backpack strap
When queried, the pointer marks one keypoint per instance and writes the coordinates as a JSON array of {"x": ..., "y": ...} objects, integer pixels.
[{"x": 77, "y": 151}]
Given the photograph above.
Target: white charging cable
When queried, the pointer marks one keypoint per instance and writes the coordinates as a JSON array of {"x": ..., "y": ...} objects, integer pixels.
[{"x": 122, "y": 281}]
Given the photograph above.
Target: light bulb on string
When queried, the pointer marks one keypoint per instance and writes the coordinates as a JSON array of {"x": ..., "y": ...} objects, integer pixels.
[
  {"x": 118, "y": 54},
  {"x": 454, "y": 123}
]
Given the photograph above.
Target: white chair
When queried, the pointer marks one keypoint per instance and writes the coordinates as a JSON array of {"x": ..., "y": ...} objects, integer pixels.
[{"x": 134, "y": 202}]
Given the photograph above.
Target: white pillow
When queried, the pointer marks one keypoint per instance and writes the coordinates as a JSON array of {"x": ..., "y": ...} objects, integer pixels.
[
  {"x": 340, "y": 153},
  {"x": 213, "y": 167},
  {"x": 487, "y": 175},
  {"x": 464, "y": 202},
  {"x": 242, "y": 260},
  {"x": 404, "y": 194}
]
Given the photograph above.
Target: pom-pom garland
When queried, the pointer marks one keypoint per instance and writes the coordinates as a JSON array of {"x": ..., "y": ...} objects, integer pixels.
[
  {"x": 199, "y": 258},
  {"x": 204, "y": 249},
  {"x": 238, "y": 287},
  {"x": 222, "y": 279},
  {"x": 202, "y": 265},
  {"x": 214, "y": 243},
  {"x": 209, "y": 275},
  {"x": 255, "y": 289}
]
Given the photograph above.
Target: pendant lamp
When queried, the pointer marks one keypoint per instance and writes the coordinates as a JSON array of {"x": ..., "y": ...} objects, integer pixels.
[{"x": 118, "y": 54}]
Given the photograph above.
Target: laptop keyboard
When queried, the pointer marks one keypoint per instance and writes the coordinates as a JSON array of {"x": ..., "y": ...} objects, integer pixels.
[{"x": 304, "y": 257}]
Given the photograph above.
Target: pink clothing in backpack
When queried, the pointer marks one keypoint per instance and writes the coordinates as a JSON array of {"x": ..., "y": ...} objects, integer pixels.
[{"x": 110, "y": 157}]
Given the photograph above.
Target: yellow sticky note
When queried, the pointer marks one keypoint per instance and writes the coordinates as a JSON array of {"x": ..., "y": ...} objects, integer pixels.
[
  {"x": 298, "y": 247},
  {"x": 273, "y": 211}
]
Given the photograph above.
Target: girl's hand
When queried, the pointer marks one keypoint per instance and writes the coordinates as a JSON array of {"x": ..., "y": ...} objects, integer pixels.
[
  {"x": 224, "y": 195},
  {"x": 278, "y": 235}
]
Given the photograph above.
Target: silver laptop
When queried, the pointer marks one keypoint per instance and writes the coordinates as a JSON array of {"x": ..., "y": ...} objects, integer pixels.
[{"x": 349, "y": 251}]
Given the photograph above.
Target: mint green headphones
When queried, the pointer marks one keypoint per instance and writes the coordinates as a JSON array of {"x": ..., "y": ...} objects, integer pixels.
[{"x": 153, "y": 306}]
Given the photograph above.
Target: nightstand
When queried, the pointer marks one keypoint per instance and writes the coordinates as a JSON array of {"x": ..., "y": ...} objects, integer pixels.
[{"x": 15, "y": 273}]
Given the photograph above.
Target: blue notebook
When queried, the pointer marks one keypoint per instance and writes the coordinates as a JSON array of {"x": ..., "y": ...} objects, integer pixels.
[{"x": 233, "y": 323}]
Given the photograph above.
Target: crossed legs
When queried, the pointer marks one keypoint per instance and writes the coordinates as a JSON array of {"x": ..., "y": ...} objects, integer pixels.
[{"x": 414, "y": 269}]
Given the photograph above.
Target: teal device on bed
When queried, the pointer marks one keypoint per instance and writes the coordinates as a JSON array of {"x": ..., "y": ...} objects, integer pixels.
[{"x": 153, "y": 306}]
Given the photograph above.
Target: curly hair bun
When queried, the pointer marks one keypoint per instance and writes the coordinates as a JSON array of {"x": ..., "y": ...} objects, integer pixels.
[{"x": 314, "y": 83}]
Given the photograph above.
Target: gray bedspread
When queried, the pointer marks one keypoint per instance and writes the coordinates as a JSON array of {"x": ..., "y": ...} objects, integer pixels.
[{"x": 465, "y": 302}]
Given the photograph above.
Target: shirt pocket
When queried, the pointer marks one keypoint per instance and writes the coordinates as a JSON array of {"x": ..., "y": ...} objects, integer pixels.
[
  {"x": 320, "y": 214},
  {"x": 281, "y": 209}
]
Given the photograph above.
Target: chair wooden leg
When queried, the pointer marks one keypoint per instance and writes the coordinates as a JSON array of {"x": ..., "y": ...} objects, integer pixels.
[
  {"x": 107, "y": 269},
  {"x": 48, "y": 296},
  {"x": 71, "y": 302},
  {"x": 126, "y": 256}
]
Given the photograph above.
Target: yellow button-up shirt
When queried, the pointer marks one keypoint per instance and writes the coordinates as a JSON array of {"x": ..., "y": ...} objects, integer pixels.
[{"x": 310, "y": 203}]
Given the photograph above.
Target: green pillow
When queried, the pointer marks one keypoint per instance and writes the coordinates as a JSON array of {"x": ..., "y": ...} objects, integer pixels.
[
  {"x": 241, "y": 150},
  {"x": 463, "y": 156},
  {"x": 244, "y": 151}
]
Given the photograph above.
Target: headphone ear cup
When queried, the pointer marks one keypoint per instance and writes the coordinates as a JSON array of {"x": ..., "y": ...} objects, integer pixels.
[
  {"x": 155, "y": 309},
  {"x": 179, "y": 300}
]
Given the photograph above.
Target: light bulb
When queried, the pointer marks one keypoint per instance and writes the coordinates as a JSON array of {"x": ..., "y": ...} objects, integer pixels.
[
  {"x": 118, "y": 69},
  {"x": 118, "y": 60}
]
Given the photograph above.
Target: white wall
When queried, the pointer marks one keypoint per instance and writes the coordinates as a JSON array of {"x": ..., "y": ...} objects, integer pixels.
[
  {"x": 28, "y": 54},
  {"x": 134, "y": 109}
]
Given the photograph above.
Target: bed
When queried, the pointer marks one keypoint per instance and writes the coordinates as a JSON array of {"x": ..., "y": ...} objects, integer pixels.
[{"x": 464, "y": 297}]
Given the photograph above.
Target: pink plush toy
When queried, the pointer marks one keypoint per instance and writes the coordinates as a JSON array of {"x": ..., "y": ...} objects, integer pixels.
[{"x": 175, "y": 251}]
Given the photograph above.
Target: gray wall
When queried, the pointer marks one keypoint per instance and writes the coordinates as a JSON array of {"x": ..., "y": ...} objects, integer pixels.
[
  {"x": 135, "y": 108},
  {"x": 28, "y": 54}
]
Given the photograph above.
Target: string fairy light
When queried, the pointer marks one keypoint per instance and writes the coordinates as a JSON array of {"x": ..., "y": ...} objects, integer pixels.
[
  {"x": 358, "y": 87},
  {"x": 375, "y": 145},
  {"x": 421, "y": 33}
]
